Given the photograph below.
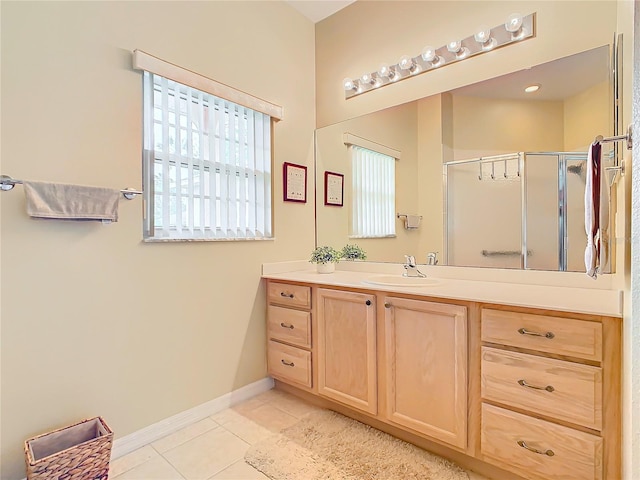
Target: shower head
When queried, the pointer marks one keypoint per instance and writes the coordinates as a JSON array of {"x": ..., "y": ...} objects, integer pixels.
[{"x": 579, "y": 170}]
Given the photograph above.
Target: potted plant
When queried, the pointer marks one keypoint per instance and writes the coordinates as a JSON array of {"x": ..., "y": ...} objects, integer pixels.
[
  {"x": 326, "y": 258},
  {"x": 353, "y": 252}
]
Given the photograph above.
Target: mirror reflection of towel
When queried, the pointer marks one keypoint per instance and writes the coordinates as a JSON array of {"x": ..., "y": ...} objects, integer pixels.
[
  {"x": 412, "y": 221},
  {"x": 71, "y": 202}
]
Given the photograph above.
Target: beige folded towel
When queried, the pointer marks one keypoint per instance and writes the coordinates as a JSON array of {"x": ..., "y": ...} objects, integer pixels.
[
  {"x": 71, "y": 202},
  {"x": 412, "y": 221}
]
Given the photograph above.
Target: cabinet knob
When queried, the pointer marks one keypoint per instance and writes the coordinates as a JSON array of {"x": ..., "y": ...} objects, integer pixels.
[
  {"x": 387, "y": 305},
  {"x": 367, "y": 303},
  {"x": 523, "y": 444}
]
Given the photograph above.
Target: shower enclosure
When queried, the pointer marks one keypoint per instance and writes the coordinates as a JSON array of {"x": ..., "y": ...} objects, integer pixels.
[{"x": 522, "y": 210}]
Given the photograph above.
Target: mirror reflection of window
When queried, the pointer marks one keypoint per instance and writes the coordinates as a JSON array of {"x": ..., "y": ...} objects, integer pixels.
[{"x": 373, "y": 194}]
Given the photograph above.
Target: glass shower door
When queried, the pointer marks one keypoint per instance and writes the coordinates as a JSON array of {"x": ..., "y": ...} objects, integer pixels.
[{"x": 483, "y": 212}]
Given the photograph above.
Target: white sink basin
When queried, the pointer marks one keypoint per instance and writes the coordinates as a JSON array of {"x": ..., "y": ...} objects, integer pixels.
[{"x": 400, "y": 281}]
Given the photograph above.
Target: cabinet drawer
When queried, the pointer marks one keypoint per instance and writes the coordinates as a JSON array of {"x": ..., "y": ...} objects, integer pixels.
[
  {"x": 562, "y": 336},
  {"x": 289, "y": 364},
  {"x": 563, "y": 390},
  {"x": 286, "y": 294},
  {"x": 537, "y": 449},
  {"x": 289, "y": 326}
]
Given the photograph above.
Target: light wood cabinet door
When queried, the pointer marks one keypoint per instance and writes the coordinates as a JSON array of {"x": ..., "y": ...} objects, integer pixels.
[
  {"x": 426, "y": 368},
  {"x": 346, "y": 357}
]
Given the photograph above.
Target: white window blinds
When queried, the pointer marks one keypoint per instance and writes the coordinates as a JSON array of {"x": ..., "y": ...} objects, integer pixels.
[
  {"x": 207, "y": 165},
  {"x": 373, "y": 193}
]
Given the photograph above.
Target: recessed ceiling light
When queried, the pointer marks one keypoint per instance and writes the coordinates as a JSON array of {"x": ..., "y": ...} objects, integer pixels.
[{"x": 532, "y": 88}]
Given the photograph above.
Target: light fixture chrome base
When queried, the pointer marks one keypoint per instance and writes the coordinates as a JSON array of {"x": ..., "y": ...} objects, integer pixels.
[{"x": 500, "y": 37}]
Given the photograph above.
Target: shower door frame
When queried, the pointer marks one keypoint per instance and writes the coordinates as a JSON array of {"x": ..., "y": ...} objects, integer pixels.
[{"x": 562, "y": 158}]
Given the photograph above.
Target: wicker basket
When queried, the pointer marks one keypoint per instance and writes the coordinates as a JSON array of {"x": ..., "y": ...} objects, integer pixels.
[{"x": 77, "y": 452}]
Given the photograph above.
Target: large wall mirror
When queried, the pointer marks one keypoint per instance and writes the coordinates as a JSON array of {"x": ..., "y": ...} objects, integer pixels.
[{"x": 491, "y": 176}]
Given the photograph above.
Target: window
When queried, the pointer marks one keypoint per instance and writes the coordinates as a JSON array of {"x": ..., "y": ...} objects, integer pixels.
[
  {"x": 373, "y": 194},
  {"x": 207, "y": 165}
]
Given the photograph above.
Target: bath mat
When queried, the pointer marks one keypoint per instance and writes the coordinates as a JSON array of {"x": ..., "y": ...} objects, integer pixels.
[{"x": 325, "y": 445}]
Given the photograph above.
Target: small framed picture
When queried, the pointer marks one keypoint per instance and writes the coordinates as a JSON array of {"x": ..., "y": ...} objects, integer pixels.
[
  {"x": 333, "y": 188},
  {"x": 294, "y": 182}
]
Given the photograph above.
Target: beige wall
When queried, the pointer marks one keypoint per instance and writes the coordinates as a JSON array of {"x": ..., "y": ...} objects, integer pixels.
[
  {"x": 584, "y": 119},
  {"x": 434, "y": 121},
  {"x": 396, "y": 128},
  {"x": 491, "y": 126},
  {"x": 95, "y": 322}
]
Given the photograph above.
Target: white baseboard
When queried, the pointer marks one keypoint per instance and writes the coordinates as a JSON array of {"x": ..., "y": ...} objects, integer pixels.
[{"x": 147, "y": 435}]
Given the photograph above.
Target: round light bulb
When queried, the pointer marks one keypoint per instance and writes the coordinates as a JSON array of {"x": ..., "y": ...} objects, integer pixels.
[
  {"x": 513, "y": 23},
  {"x": 428, "y": 53},
  {"x": 455, "y": 46},
  {"x": 406, "y": 62},
  {"x": 366, "y": 78},
  {"x": 483, "y": 35},
  {"x": 348, "y": 84},
  {"x": 383, "y": 70}
]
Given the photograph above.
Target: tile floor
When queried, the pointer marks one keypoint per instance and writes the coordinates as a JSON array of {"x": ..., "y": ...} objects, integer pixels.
[{"x": 214, "y": 448}]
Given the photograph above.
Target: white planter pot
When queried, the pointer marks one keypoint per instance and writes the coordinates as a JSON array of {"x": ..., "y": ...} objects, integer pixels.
[{"x": 326, "y": 267}]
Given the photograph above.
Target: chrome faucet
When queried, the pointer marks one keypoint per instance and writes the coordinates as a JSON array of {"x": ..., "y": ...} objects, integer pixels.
[
  {"x": 411, "y": 268},
  {"x": 432, "y": 258}
]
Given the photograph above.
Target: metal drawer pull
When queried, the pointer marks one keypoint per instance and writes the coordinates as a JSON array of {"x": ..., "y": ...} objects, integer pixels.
[
  {"x": 522, "y": 331},
  {"x": 288, "y": 364},
  {"x": 288, "y": 295},
  {"x": 548, "y": 388},
  {"x": 286, "y": 325},
  {"x": 549, "y": 453}
]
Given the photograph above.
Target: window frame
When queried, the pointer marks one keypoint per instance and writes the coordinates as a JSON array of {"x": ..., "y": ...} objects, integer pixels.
[{"x": 153, "y": 65}]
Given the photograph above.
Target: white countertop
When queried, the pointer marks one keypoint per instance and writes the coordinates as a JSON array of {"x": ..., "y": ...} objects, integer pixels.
[{"x": 552, "y": 297}]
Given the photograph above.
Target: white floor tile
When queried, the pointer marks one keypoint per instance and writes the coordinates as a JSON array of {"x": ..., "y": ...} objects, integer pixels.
[
  {"x": 240, "y": 471},
  {"x": 293, "y": 406},
  {"x": 247, "y": 430},
  {"x": 270, "y": 417},
  {"x": 155, "y": 469},
  {"x": 207, "y": 454},
  {"x": 226, "y": 416},
  {"x": 131, "y": 460},
  {"x": 184, "y": 435}
]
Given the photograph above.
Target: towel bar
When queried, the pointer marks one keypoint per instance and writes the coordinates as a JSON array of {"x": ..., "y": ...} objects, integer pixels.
[{"x": 7, "y": 183}]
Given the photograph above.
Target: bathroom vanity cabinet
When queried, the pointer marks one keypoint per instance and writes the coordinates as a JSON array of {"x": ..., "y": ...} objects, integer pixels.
[{"x": 531, "y": 391}]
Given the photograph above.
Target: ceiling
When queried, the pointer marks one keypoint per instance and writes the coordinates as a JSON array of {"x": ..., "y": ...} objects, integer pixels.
[
  {"x": 317, "y": 10},
  {"x": 558, "y": 80}
]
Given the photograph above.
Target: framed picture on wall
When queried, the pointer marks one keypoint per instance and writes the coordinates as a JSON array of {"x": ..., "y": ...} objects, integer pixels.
[
  {"x": 294, "y": 182},
  {"x": 333, "y": 189}
]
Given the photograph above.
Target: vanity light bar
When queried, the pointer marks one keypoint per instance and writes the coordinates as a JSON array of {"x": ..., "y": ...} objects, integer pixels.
[{"x": 516, "y": 29}]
